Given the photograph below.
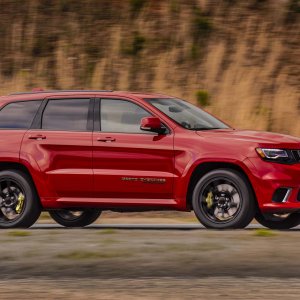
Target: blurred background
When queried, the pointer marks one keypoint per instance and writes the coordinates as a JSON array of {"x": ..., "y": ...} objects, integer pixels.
[{"x": 239, "y": 59}]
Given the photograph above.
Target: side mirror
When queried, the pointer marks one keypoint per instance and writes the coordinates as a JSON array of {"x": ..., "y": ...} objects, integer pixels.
[{"x": 152, "y": 124}]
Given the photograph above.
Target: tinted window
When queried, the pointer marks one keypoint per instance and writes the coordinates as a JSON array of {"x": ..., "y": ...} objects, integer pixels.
[
  {"x": 18, "y": 115},
  {"x": 121, "y": 116},
  {"x": 66, "y": 114}
]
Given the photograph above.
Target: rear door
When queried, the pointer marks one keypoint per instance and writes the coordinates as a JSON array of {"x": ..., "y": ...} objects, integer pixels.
[
  {"x": 128, "y": 162},
  {"x": 60, "y": 142}
]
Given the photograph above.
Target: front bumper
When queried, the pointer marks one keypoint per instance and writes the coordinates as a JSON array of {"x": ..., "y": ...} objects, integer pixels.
[{"x": 267, "y": 177}]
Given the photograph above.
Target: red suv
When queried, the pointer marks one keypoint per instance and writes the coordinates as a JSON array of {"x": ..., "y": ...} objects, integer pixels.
[{"x": 77, "y": 153}]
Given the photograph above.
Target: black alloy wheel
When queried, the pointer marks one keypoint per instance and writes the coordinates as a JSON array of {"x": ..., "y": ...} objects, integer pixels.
[
  {"x": 19, "y": 203},
  {"x": 223, "y": 199},
  {"x": 278, "y": 221},
  {"x": 75, "y": 218}
]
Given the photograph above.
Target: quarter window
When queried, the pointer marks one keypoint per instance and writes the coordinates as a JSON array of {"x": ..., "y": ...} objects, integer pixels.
[
  {"x": 66, "y": 114},
  {"x": 18, "y": 115},
  {"x": 121, "y": 116}
]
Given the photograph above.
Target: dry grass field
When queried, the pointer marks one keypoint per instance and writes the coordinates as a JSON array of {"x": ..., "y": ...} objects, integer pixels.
[{"x": 239, "y": 59}]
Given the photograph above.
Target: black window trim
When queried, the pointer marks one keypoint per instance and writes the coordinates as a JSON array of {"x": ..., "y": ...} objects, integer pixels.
[
  {"x": 37, "y": 122},
  {"x": 97, "y": 119},
  {"x": 21, "y": 101}
]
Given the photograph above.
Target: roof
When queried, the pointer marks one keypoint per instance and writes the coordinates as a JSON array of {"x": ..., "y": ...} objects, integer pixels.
[
  {"x": 58, "y": 91},
  {"x": 41, "y": 94}
]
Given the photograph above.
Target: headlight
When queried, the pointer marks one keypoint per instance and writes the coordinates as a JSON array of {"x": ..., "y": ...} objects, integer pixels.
[{"x": 276, "y": 155}]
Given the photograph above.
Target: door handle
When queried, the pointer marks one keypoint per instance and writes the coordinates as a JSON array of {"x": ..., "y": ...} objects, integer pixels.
[
  {"x": 37, "y": 137},
  {"x": 106, "y": 139}
]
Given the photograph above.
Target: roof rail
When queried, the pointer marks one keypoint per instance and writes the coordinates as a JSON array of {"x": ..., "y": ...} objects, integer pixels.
[{"x": 58, "y": 91}]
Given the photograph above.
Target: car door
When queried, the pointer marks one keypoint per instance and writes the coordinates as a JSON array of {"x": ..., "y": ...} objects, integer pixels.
[
  {"x": 15, "y": 120},
  {"x": 60, "y": 142},
  {"x": 130, "y": 163}
]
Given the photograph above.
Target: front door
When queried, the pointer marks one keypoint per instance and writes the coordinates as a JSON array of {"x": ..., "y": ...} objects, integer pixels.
[{"x": 130, "y": 163}]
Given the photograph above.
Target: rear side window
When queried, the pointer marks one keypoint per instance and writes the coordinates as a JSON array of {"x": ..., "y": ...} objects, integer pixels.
[
  {"x": 18, "y": 115},
  {"x": 66, "y": 114}
]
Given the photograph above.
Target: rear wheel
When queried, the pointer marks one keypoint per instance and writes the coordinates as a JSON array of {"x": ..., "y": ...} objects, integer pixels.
[
  {"x": 19, "y": 203},
  {"x": 75, "y": 218},
  {"x": 277, "y": 221},
  {"x": 223, "y": 199}
]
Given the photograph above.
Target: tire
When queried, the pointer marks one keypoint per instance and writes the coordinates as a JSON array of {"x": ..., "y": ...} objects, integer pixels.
[
  {"x": 223, "y": 199},
  {"x": 278, "y": 222},
  {"x": 68, "y": 218},
  {"x": 20, "y": 206}
]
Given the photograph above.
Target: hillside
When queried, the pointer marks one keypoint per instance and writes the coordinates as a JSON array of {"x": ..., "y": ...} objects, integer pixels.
[{"x": 242, "y": 58}]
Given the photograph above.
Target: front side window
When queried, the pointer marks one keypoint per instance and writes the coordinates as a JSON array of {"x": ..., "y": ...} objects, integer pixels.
[
  {"x": 121, "y": 116},
  {"x": 66, "y": 114},
  {"x": 186, "y": 115},
  {"x": 19, "y": 115}
]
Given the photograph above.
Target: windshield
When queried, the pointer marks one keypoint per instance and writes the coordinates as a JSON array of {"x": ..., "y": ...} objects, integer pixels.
[{"x": 187, "y": 115}]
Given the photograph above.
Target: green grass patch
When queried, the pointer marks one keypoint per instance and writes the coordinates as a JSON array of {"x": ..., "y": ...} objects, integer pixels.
[
  {"x": 19, "y": 233},
  {"x": 84, "y": 255},
  {"x": 264, "y": 232},
  {"x": 203, "y": 247},
  {"x": 202, "y": 26},
  {"x": 136, "y": 6},
  {"x": 108, "y": 241},
  {"x": 258, "y": 4},
  {"x": 108, "y": 231},
  {"x": 175, "y": 6},
  {"x": 134, "y": 45},
  {"x": 294, "y": 6},
  {"x": 203, "y": 98}
]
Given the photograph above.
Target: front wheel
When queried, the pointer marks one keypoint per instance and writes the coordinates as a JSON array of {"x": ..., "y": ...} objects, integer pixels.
[
  {"x": 75, "y": 218},
  {"x": 223, "y": 199},
  {"x": 277, "y": 221}
]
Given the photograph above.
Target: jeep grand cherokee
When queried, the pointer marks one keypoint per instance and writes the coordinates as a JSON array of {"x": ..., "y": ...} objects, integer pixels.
[{"x": 77, "y": 153}]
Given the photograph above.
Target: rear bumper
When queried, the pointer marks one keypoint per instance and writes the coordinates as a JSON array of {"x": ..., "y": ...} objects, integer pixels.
[{"x": 267, "y": 177}]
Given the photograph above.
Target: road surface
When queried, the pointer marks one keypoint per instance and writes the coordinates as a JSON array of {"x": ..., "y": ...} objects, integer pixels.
[{"x": 148, "y": 261}]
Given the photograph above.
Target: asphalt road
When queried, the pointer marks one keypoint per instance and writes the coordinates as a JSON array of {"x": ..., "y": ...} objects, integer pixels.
[{"x": 145, "y": 226}]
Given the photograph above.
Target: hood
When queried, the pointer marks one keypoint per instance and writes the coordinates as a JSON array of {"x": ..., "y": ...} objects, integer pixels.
[{"x": 261, "y": 138}]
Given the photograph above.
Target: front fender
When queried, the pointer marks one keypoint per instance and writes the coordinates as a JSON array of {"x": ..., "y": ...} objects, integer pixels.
[{"x": 182, "y": 182}]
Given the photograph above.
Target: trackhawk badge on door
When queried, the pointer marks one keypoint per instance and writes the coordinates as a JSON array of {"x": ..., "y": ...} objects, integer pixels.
[{"x": 145, "y": 179}]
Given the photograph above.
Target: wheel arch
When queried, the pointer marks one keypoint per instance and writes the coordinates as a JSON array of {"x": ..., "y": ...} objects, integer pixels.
[{"x": 205, "y": 167}]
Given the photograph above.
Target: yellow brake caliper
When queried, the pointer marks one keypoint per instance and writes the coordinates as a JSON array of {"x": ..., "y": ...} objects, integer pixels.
[
  {"x": 19, "y": 206},
  {"x": 209, "y": 200}
]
